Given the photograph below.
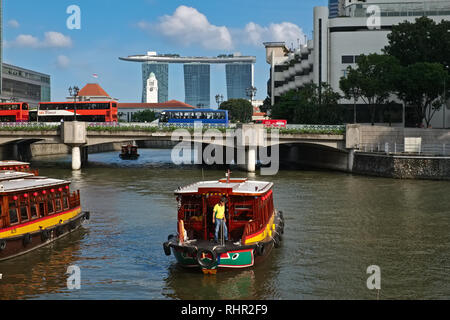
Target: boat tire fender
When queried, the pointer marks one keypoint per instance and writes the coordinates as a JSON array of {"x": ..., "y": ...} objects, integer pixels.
[
  {"x": 276, "y": 240},
  {"x": 59, "y": 230},
  {"x": 261, "y": 249},
  {"x": 166, "y": 247},
  {"x": 87, "y": 215},
  {"x": 26, "y": 239},
  {"x": 2, "y": 245},
  {"x": 202, "y": 262},
  {"x": 45, "y": 234}
]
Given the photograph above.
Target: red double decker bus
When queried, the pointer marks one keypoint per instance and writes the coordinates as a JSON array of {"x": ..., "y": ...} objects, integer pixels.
[
  {"x": 89, "y": 111},
  {"x": 14, "y": 112}
]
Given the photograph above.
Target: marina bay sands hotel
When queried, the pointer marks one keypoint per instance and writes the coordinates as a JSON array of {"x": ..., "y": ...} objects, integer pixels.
[{"x": 155, "y": 76}]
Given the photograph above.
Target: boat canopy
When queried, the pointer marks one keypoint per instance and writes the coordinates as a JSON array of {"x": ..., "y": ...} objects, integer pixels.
[
  {"x": 229, "y": 186},
  {"x": 29, "y": 184},
  {"x": 10, "y": 175}
]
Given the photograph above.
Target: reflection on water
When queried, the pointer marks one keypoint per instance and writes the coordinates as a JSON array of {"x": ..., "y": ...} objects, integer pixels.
[{"x": 336, "y": 226}]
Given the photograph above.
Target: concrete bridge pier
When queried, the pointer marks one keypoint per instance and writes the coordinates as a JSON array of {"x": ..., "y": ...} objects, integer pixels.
[{"x": 74, "y": 135}]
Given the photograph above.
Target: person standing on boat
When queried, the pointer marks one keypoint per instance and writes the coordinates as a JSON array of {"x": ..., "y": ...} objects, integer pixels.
[{"x": 219, "y": 219}]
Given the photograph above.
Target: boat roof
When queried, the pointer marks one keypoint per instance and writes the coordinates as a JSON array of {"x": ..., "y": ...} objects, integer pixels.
[
  {"x": 13, "y": 163},
  {"x": 232, "y": 186},
  {"x": 29, "y": 183},
  {"x": 10, "y": 175}
]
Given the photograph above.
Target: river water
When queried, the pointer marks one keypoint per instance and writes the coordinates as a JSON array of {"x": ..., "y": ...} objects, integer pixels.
[{"x": 337, "y": 225}]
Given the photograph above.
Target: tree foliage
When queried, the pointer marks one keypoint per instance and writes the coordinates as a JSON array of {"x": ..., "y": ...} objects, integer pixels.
[
  {"x": 143, "y": 116},
  {"x": 372, "y": 80},
  {"x": 239, "y": 110},
  {"x": 302, "y": 106}
]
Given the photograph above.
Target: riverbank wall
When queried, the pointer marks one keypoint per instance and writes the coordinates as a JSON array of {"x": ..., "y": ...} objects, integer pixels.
[{"x": 402, "y": 166}]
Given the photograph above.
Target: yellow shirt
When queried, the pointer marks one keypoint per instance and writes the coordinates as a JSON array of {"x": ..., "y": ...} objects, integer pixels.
[{"x": 219, "y": 211}]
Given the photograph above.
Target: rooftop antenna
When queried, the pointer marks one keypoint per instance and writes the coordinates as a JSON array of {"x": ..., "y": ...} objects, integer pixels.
[{"x": 228, "y": 174}]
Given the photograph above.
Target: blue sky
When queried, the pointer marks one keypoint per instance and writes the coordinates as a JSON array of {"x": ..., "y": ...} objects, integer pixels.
[{"x": 36, "y": 37}]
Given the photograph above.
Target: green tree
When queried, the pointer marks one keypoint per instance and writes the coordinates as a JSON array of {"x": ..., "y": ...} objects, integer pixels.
[
  {"x": 422, "y": 86},
  {"x": 373, "y": 79},
  {"x": 351, "y": 88},
  {"x": 302, "y": 106},
  {"x": 239, "y": 110},
  {"x": 421, "y": 41},
  {"x": 143, "y": 116}
]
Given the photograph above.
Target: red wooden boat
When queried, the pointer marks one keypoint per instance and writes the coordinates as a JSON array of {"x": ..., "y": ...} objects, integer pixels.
[
  {"x": 16, "y": 166},
  {"x": 254, "y": 226},
  {"x": 35, "y": 211}
]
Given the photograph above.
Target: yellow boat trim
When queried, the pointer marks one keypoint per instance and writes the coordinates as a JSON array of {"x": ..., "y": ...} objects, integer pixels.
[
  {"x": 42, "y": 223},
  {"x": 262, "y": 235}
]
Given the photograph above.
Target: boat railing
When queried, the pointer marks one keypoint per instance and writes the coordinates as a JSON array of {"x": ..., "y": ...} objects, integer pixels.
[{"x": 251, "y": 227}]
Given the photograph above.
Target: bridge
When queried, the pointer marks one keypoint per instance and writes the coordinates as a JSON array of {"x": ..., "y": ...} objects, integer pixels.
[{"x": 241, "y": 144}]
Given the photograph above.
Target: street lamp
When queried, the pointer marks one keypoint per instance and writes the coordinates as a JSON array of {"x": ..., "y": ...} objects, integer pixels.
[
  {"x": 251, "y": 92},
  {"x": 73, "y": 92},
  {"x": 219, "y": 99}
]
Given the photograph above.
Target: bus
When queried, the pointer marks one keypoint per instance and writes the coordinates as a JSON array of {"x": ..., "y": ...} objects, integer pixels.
[
  {"x": 89, "y": 111},
  {"x": 205, "y": 116},
  {"x": 272, "y": 123},
  {"x": 14, "y": 112}
]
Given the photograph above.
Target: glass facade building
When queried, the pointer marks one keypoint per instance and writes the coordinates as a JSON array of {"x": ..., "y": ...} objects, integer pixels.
[
  {"x": 197, "y": 84},
  {"x": 161, "y": 71},
  {"x": 333, "y": 7},
  {"x": 239, "y": 77},
  {"x": 25, "y": 85}
]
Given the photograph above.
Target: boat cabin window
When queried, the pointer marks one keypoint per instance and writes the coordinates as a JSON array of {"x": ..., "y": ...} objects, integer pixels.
[
  {"x": 50, "y": 207},
  {"x": 24, "y": 211},
  {"x": 65, "y": 200},
  {"x": 193, "y": 212},
  {"x": 41, "y": 208},
  {"x": 34, "y": 208},
  {"x": 58, "y": 202},
  {"x": 242, "y": 212},
  {"x": 13, "y": 216}
]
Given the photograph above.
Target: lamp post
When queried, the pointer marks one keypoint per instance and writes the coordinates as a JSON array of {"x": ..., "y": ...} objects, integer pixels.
[
  {"x": 73, "y": 92},
  {"x": 251, "y": 92},
  {"x": 219, "y": 100}
]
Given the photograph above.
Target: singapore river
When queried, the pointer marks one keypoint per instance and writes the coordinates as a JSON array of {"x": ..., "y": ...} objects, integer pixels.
[{"x": 337, "y": 225}]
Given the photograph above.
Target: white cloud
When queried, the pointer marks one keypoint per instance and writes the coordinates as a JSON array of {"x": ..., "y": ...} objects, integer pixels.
[
  {"x": 13, "y": 23},
  {"x": 56, "y": 40},
  {"x": 279, "y": 32},
  {"x": 52, "y": 39},
  {"x": 190, "y": 27},
  {"x": 62, "y": 62}
]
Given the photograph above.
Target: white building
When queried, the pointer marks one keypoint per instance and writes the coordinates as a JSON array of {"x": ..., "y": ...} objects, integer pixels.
[
  {"x": 337, "y": 43},
  {"x": 152, "y": 89}
]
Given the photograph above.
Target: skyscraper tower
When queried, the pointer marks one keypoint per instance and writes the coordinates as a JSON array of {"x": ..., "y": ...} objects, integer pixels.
[
  {"x": 239, "y": 77},
  {"x": 197, "y": 84},
  {"x": 152, "y": 89},
  {"x": 161, "y": 72}
]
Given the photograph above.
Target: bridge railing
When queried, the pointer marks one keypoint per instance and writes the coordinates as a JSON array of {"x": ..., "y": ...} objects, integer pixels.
[
  {"x": 15, "y": 126},
  {"x": 429, "y": 149}
]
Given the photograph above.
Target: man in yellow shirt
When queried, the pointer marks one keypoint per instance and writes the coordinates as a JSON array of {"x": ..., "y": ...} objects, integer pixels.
[{"x": 219, "y": 219}]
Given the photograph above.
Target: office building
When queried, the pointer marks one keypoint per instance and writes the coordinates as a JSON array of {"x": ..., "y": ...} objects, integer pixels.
[
  {"x": 197, "y": 84},
  {"x": 20, "y": 84},
  {"x": 239, "y": 77},
  {"x": 337, "y": 42}
]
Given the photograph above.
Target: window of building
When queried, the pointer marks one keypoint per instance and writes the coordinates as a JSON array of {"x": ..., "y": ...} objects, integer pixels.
[{"x": 348, "y": 59}]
